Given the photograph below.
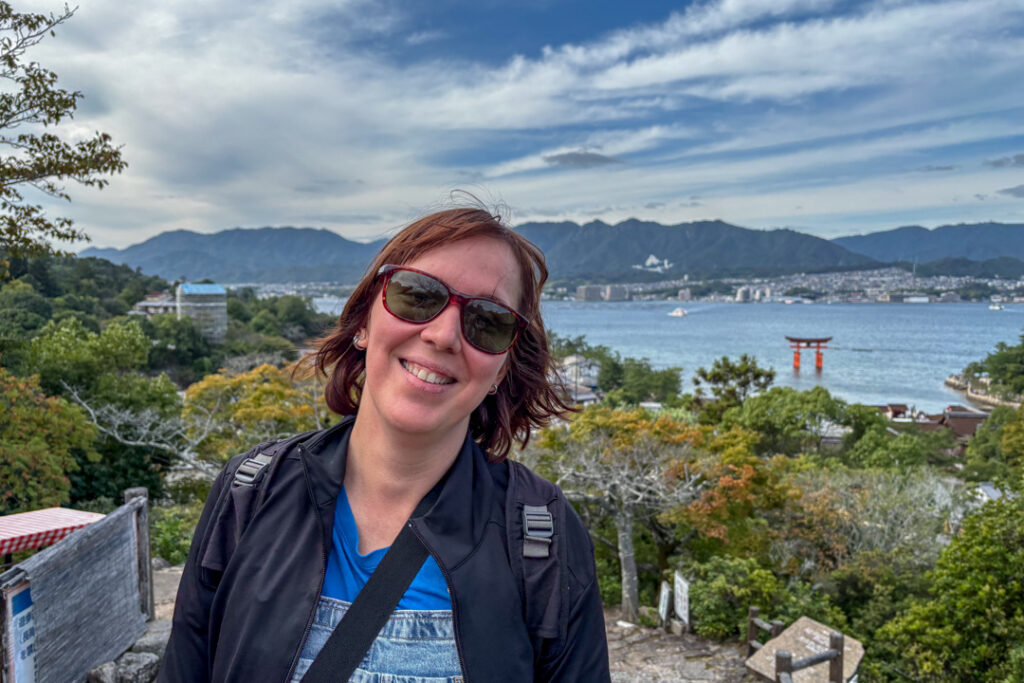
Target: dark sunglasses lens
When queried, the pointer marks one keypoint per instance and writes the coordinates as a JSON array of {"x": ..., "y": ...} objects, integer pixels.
[
  {"x": 488, "y": 326},
  {"x": 414, "y": 297}
]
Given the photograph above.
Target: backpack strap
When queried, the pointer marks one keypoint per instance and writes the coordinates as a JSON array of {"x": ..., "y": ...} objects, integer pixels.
[{"x": 535, "y": 528}]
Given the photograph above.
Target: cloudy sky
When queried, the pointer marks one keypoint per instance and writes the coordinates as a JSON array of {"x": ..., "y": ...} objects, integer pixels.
[{"x": 831, "y": 117}]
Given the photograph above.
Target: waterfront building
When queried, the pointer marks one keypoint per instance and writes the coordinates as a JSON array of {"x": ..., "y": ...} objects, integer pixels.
[
  {"x": 207, "y": 306},
  {"x": 685, "y": 294},
  {"x": 616, "y": 293},
  {"x": 589, "y": 293}
]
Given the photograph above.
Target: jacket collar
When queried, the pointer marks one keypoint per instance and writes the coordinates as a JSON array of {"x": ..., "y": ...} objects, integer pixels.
[{"x": 451, "y": 528}]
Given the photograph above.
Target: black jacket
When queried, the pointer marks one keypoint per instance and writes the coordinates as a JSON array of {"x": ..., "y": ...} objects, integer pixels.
[{"x": 256, "y": 568}]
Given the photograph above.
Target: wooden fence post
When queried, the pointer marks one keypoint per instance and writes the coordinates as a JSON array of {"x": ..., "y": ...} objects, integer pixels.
[
  {"x": 783, "y": 663},
  {"x": 777, "y": 628},
  {"x": 836, "y": 641},
  {"x": 752, "y": 614},
  {"x": 142, "y": 536}
]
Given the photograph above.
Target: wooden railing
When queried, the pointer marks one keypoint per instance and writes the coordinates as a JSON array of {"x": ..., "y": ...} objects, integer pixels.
[
  {"x": 754, "y": 623},
  {"x": 785, "y": 665}
]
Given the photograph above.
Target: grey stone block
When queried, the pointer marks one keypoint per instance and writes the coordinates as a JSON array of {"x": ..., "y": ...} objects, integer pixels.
[
  {"x": 154, "y": 640},
  {"x": 104, "y": 673},
  {"x": 137, "y": 667}
]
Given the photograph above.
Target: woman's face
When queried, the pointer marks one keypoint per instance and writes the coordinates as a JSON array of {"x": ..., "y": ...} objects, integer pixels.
[{"x": 426, "y": 379}]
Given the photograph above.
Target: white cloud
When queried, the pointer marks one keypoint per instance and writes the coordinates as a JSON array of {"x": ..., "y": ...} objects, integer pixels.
[{"x": 279, "y": 113}]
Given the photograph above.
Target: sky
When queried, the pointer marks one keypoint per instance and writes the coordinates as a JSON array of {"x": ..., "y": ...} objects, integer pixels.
[{"x": 828, "y": 117}]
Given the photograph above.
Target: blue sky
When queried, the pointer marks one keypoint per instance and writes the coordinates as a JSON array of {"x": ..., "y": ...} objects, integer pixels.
[{"x": 828, "y": 117}]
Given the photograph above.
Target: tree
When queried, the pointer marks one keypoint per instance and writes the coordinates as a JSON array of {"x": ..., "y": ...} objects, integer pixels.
[
  {"x": 232, "y": 413},
  {"x": 912, "y": 447},
  {"x": 975, "y": 616},
  {"x": 629, "y": 465},
  {"x": 986, "y": 460},
  {"x": 730, "y": 382},
  {"x": 787, "y": 421},
  {"x": 41, "y": 160},
  {"x": 39, "y": 435}
]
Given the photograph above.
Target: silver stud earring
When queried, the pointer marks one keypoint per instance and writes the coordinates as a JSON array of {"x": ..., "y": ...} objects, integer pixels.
[
  {"x": 494, "y": 389},
  {"x": 356, "y": 339}
]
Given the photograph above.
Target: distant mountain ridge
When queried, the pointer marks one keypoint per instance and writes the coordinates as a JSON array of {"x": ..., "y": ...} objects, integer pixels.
[
  {"x": 248, "y": 255},
  {"x": 600, "y": 251},
  {"x": 977, "y": 242},
  {"x": 595, "y": 251}
]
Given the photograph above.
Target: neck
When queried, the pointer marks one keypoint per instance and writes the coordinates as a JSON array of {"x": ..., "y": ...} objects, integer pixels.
[
  {"x": 388, "y": 473},
  {"x": 394, "y": 467}
]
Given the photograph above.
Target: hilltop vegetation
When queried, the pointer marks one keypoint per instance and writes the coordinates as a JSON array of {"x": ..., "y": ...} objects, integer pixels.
[
  {"x": 791, "y": 500},
  {"x": 801, "y": 504},
  {"x": 68, "y": 347}
]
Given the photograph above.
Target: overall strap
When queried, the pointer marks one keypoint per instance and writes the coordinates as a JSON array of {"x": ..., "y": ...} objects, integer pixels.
[{"x": 353, "y": 636}]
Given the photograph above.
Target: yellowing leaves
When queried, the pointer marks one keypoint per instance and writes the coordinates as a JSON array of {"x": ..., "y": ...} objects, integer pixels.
[{"x": 244, "y": 409}]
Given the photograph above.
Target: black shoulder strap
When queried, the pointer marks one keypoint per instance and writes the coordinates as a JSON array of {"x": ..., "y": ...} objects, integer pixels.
[
  {"x": 352, "y": 637},
  {"x": 535, "y": 526},
  {"x": 264, "y": 454}
]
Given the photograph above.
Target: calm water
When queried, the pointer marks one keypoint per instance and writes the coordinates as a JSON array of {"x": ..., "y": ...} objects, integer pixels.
[{"x": 880, "y": 353}]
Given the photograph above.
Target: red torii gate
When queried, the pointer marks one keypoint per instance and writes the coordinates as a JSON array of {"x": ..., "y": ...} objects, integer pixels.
[{"x": 819, "y": 343}]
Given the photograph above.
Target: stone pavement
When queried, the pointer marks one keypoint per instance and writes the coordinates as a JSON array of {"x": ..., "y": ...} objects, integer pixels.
[
  {"x": 638, "y": 654},
  {"x": 642, "y": 655}
]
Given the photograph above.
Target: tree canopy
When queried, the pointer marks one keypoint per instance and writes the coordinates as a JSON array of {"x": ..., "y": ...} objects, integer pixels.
[{"x": 32, "y": 106}]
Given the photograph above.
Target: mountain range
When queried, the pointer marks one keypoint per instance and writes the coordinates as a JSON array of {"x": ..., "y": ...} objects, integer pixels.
[{"x": 632, "y": 250}]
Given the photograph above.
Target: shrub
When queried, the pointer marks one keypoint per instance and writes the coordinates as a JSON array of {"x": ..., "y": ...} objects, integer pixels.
[{"x": 171, "y": 531}]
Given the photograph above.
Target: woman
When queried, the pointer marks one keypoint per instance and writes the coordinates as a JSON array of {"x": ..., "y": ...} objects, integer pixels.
[{"x": 441, "y": 357}]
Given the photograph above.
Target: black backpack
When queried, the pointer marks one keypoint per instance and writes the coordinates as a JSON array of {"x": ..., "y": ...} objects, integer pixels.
[{"x": 534, "y": 524}]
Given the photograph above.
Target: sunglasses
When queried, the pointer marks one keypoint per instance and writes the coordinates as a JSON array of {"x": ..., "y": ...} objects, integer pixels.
[{"x": 416, "y": 297}]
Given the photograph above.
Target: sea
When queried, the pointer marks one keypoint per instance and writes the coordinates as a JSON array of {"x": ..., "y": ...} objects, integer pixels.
[{"x": 879, "y": 353}]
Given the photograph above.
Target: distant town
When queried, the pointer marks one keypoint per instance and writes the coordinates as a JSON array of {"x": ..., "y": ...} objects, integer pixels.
[{"x": 882, "y": 285}]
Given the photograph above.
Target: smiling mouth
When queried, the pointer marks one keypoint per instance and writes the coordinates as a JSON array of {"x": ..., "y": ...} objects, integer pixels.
[{"x": 426, "y": 375}]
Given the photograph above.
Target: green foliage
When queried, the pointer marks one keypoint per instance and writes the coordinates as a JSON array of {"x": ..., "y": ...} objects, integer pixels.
[
  {"x": 31, "y": 101},
  {"x": 625, "y": 381},
  {"x": 976, "y": 610},
  {"x": 171, "y": 530},
  {"x": 985, "y": 458},
  {"x": 912, "y": 447},
  {"x": 103, "y": 369},
  {"x": 1004, "y": 367},
  {"x": 22, "y": 310},
  {"x": 730, "y": 382},
  {"x": 66, "y": 352},
  {"x": 788, "y": 421},
  {"x": 723, "y": 589},
  {"x": 39, "y": 439},
  {"x": 179, "y": 349}
]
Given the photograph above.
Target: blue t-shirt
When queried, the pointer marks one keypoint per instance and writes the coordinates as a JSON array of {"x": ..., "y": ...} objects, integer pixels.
[{"x": 348, "y": 571}]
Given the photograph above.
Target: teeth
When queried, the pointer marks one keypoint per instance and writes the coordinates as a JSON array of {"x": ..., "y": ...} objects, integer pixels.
[{"x": 426, "y": 375}]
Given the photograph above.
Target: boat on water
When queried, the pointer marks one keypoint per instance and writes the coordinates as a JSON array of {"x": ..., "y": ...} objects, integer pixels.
[
  {"x": 995, "y": 307},
  {"x": 678, "y": 312}
]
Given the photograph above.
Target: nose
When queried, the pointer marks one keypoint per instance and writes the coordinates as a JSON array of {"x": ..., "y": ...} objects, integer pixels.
[{"x": 445, "y": 331}]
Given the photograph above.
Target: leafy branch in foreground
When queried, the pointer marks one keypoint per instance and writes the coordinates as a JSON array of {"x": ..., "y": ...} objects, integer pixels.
[{"x": 40, "y": 160}]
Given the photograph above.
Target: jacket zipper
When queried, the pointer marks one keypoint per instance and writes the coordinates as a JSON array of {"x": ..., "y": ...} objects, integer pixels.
[
  {"x": 451, "y": 592},
  {"x": 323, "y": 567}
]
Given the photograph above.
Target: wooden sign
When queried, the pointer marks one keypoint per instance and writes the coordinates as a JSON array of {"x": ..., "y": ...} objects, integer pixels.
[
  {"x": 663, "y": 601},
  {"x": 803, "y": 638},
  {"x": 682, "y": 601}
]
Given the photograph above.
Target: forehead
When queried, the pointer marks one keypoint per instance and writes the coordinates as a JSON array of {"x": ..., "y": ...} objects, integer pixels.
[{"x": 478, "y": 266}]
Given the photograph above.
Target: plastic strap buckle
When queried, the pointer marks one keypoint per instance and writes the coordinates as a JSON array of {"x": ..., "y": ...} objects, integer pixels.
[
  {"x": 246, "y": 473},
  {"x": 538, "y": 527}
]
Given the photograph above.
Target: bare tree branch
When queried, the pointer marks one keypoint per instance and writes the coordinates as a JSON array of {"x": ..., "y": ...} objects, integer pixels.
[{"x": 149, "y": 429}]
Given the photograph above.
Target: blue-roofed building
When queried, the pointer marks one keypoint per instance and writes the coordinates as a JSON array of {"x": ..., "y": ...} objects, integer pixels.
[{"x": 207, "y": 306}]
